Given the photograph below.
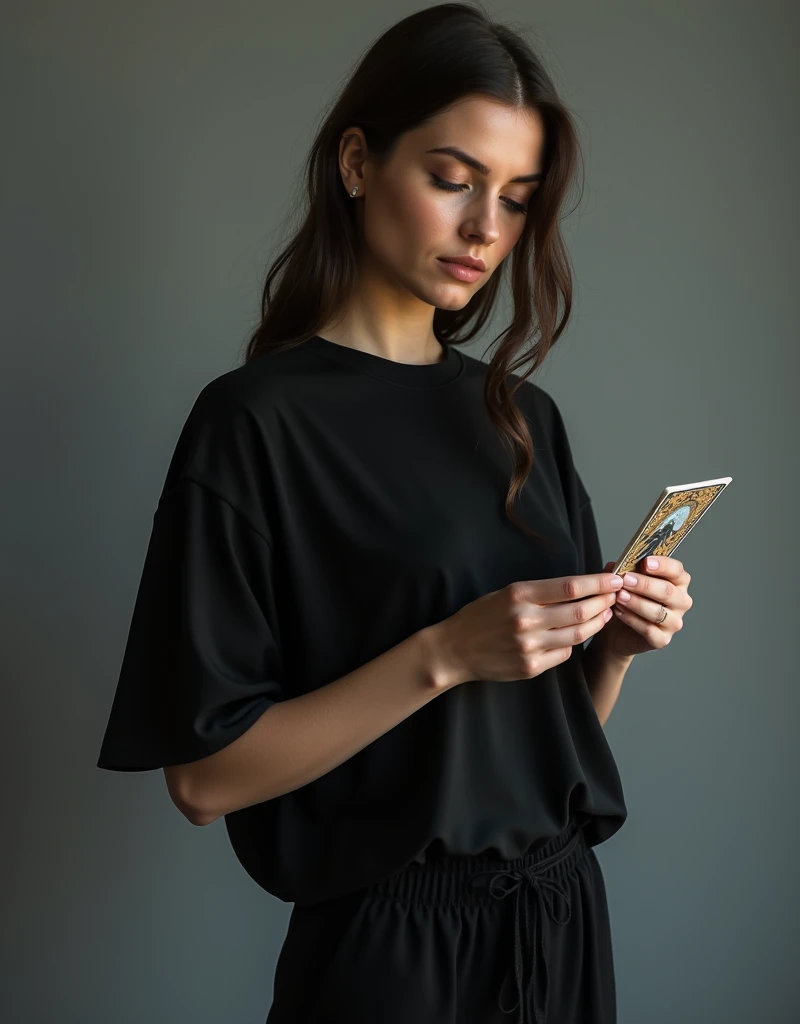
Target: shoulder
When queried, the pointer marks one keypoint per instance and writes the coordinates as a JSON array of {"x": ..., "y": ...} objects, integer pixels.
[
  {"x": 228, "y": 440},
  {"x": 258, "y": 385},
  {"x": 244, "y": 406}
]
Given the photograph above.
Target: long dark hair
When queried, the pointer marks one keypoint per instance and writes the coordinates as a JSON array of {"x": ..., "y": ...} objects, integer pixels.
[{"x": 421, "y": 65}]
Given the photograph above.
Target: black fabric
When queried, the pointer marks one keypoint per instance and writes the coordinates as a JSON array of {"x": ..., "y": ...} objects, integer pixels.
[
  {"x": 462, "y": 940},
  {"x": 321, "y": 505}
]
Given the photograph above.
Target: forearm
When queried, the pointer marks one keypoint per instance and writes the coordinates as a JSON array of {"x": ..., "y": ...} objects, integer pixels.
[
  {"x": 302, "y": 738},
  {"x": 605, "y": 673}
]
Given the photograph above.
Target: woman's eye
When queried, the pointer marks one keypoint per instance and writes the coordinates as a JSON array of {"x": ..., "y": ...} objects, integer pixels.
[{"x": 451, "y": 186}]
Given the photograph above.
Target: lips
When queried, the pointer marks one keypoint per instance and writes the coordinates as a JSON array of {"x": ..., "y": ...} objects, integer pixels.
[
  {"x": 466, "y": 261},
  {"x": 460, "y": 271}
]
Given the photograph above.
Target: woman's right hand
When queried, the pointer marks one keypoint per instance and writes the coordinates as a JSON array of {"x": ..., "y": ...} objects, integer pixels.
[{"x": 523, "y": 629}]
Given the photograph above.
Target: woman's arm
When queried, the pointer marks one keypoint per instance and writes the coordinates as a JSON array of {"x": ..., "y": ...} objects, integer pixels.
[
  {"x": 605, "y": 672},
  {"x": 299, "y": 739}
]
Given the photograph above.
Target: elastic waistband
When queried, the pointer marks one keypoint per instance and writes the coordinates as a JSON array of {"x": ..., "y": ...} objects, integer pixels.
[{"x": 452, "y": 878}]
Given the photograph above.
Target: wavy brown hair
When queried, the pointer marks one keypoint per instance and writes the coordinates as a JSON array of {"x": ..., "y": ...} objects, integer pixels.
[{"x": 418, "y": 67}]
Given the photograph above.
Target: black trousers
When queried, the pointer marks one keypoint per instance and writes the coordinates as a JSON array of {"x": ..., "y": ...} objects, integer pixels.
[{"x": 458, "y": 940}]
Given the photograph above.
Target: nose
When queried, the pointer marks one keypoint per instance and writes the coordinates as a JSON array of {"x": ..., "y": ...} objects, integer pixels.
[{"x": 483, "y": 224}]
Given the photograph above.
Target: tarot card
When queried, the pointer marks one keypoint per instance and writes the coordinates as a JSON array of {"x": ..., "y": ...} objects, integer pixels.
[{"x": 676, "y": 511}]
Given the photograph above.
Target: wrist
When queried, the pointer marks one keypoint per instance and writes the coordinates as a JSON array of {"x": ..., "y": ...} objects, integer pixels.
[
  {"x": 442, "y": 668},
  {"x": 601, "y": 647}
]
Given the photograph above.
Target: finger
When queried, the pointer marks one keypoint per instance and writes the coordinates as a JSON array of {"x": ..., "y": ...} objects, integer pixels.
[
  {"x": 577, "y": 633},
  {"x": 660, "y": 565},
  {"x": 653, "y": 587},
  {"x": 567, "y": 588},
  {"x": 677, "y": 571},
  {"x": 545, "y": 659},
  {"x": 651, "y": 611},
  {"x": 655, "y": 635},
  {"x": 573, "y": 612}
]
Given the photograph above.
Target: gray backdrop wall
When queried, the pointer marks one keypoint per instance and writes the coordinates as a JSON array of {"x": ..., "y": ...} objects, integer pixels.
[{"x": 149, "y": 151}]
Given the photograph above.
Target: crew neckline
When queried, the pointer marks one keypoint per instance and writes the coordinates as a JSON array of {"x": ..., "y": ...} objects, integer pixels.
[{"x": 409, "y": 375}]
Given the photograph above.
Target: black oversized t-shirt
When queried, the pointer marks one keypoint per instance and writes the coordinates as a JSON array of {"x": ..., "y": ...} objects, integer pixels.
[{"x": 321, "y": 505}]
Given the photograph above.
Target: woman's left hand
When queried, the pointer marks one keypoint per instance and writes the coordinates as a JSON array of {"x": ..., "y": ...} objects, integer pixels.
[{"x": 635, "y": 627}]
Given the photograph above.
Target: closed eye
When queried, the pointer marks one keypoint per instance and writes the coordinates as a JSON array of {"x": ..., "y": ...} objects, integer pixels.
[{"x": 451, "y": 186}]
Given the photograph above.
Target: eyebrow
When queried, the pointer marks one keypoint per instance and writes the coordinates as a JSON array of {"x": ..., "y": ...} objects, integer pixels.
[{"x": 465, "y": 158}]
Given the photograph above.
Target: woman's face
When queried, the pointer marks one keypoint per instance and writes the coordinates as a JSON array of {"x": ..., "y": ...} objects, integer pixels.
[{"x": 411, "y": 222}]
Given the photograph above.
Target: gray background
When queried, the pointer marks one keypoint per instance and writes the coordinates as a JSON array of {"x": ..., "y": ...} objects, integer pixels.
[{"x": 149, "y": 152}]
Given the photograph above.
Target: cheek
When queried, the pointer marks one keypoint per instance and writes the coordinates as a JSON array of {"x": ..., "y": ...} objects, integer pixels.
[{"x": 408, "y": 221}]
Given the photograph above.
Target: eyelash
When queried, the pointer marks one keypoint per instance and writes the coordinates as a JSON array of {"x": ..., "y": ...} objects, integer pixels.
[{"x": 450, "y": 186}]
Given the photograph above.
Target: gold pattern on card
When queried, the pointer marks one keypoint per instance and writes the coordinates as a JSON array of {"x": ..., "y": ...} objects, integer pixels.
[{"x": 677, "y": 510}]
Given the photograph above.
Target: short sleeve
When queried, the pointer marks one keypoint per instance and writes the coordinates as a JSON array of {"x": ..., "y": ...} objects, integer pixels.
[
  {"x": 585, "y": 535},
  {"x": 577, "y": 502},
  {"x": 202, "y": 658},
  {"x": 587, "y": 540}
]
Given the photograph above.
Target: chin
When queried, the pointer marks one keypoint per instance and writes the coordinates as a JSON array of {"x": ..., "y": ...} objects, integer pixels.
[{"x": 449, "y": 298}]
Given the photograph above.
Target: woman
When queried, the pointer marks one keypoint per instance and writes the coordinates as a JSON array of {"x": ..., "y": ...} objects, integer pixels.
[{"x": 361, "y": 625}]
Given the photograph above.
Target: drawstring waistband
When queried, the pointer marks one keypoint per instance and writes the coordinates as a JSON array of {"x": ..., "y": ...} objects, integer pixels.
[
  {"x": 529, "y": 878},
  {"x": 450, "y": 878}
]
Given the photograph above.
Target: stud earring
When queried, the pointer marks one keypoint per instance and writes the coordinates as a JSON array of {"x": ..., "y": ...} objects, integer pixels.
[{"x": 354, "y": 192}]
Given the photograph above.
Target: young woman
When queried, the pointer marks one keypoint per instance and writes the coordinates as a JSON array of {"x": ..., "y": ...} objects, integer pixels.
[{"x": 362, "y": 624}]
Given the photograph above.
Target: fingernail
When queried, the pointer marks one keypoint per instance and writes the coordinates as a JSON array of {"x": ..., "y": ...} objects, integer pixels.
[{"x": 616, "y": 581}]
